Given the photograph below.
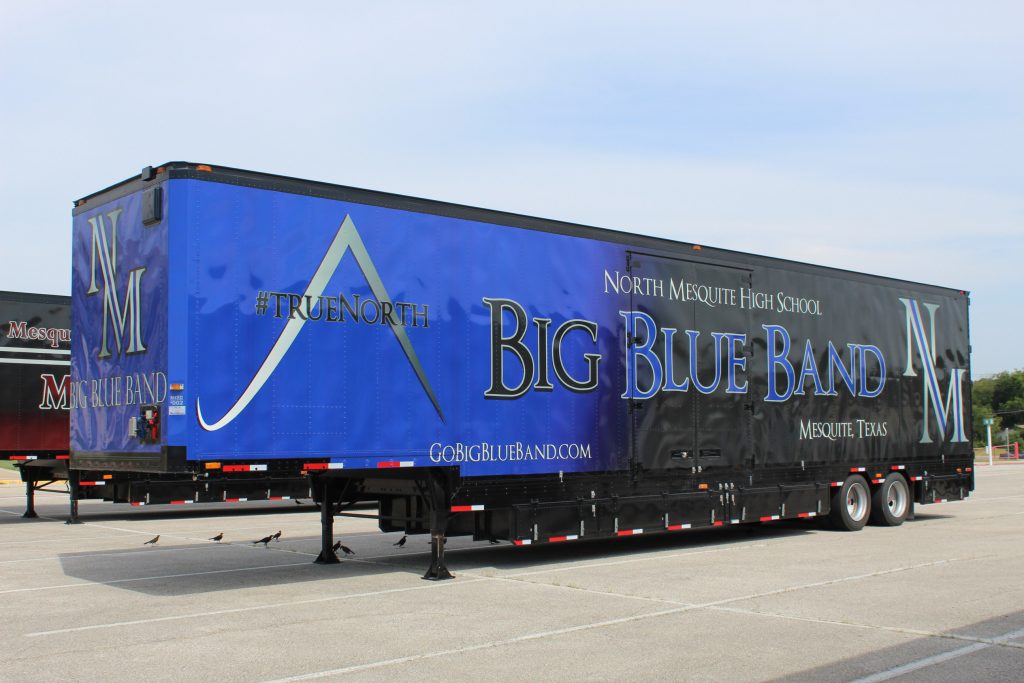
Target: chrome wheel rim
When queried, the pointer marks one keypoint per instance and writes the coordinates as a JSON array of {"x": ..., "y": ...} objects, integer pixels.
[
  {"x": 856, "y": 502},
  {"x": 896, "y": 499}
]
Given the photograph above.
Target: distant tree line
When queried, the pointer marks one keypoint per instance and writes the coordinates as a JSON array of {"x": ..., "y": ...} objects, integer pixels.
[{"x": 1000, "y": 397}]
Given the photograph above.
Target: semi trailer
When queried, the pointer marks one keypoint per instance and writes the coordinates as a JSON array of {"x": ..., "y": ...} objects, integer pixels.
[
  {"x": 35, "y": 359},
  {"x": 509, "y": 377},
  {"x": 35, "y": 398}
]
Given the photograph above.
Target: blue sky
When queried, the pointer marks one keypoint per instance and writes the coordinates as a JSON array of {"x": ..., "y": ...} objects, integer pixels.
[{"x": 884, "y": 137}]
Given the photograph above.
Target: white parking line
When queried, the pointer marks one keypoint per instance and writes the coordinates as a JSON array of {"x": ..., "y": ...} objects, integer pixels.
[
  {"x": 983, "y": 644},
  {"x": 114, "y": 582},
  {"x": 254, "y": 608},
  {"x": 598, "y": 624},
  {"x": 648, "y": 558}
]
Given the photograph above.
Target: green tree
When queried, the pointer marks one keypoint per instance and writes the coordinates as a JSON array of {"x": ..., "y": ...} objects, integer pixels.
[
  {"x": 1008, "y": 386},
  {"x": 1001, "y": 398}
]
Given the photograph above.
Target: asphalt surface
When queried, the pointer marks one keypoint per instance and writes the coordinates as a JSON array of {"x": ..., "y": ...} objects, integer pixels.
[{"x": 939, "y": 599}]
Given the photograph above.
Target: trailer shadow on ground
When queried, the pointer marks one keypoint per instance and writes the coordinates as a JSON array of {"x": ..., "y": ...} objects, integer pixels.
[
  {"x": 49, "y": 515},
  {"x": 210, "y": 567}
]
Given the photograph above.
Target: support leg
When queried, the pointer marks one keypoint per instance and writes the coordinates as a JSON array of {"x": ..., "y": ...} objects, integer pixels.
[
  {"x": 327, "y": 506},
  {"x": 30, "y": 493},
  {"x": 439, "y": 508},
  {"x": 73, "y": 479}
]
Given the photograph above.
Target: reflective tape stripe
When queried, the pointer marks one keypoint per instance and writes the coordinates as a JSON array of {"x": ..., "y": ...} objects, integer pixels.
[
  {"x": 857, "y": 469},
  {"x": 279, "y": 498},
  {"x": 63, "y": 457},
  {"x": 898, "y": 467},
  {"x": 836, "y": 483},
  {"x": 940, "y": 500},
  {"x": 769, "y": 518},
  {"x": 559, "y": 539},
  {"x": 718, "y": 523},
  {"x": 734, "y": 521},
  {"x": 807, "y": 514},
  {"x": 677, "y": 527},
  {"x": 235, "y": 500},
  {"x": 182, "y": 502},
  {"x": 335, "y": 465},
  {"x": 630, "y": 532},
  {"x": 91, "y": 483},
  {"x": 522, "y": 541},
  {"x": 138, "y": 503},
  {"x": 467, "y": 508},
  {"x": 315, "y": 466},
  {"x": 244, "y": 468},
  {"x": 877, "y": 481},
  {"x": 916, "y": 478},
  {"x": 395, "y": 463},
  {"x": 24, "y": 457}
]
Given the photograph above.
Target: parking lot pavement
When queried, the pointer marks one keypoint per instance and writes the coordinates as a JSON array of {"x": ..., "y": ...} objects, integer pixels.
[{"x": 939, "y": 598}]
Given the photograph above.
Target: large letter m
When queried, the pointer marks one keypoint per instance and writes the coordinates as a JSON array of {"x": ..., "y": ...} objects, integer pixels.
[
  {"x": 122, "y": 317},
  {"x": 942, "y": 409}
]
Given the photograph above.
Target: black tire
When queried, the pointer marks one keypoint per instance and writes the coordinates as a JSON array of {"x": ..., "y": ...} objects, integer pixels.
[
  {"x": 851, "y": 504},
  {"x": 890, "y": 502}
]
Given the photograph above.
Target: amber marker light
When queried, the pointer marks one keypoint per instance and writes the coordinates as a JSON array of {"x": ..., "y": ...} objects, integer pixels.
[
  {"x": 213, "y": 465},
  {"x": 204, "y": 168}
]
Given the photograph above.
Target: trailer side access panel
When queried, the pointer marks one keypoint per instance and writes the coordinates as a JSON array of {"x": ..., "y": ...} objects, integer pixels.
[{"x": 549, "y": 381}]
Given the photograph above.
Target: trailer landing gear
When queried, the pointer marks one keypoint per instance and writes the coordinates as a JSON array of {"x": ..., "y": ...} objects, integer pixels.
[
  {"x": 439, "y": 507},
  {"x": 30, "y": 496},
  {"x": 73, "y": 478},
  {"x": 327, "y": 506}
]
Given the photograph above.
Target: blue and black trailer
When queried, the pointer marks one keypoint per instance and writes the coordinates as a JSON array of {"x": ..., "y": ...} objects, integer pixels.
[{"x": 487, "y": 373}]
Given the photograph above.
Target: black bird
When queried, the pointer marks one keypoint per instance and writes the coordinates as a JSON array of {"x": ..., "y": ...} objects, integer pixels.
[
  {"x": 153, "y": 540},
  {"x": 401, "y": 542},
  {"x": 494, "y": 541},
  {"x": 343, "y": 548},
  {"x": 298, "y": 502},
  {"x": 277, "y": 536},
  {"x": 265, "y": 540},
  {"x": 218, "y": 537}
]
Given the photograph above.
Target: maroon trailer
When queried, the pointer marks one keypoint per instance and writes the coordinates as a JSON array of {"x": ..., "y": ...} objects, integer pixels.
[{"x": 35, "y": 352}]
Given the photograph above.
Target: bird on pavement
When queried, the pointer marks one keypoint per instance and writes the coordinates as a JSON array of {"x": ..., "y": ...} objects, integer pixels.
[
  {"x": 494, "y": 541},
  {"x": 218, "y": 537},
  {"x": 153, "y": 540},
  {"x": 401, "y": 542},
  {"x": 265, "y": 540},
  {"x": 343, "y": 548},
  {"x": 298, "y": 502},
  {"x": 277, "y": 536}
]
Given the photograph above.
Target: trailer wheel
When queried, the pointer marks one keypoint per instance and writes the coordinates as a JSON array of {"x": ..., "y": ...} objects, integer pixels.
[
  {"x": 890, "y": 502},
  {"x": 851, "y": 504}
]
